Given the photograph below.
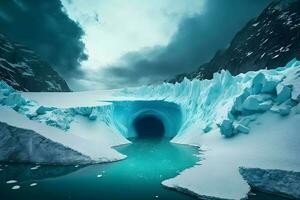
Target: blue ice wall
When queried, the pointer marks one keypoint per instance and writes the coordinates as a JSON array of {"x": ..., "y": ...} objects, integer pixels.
[
  {"x": 126, "y": 112},
  {"x": 221, "y": 102}
]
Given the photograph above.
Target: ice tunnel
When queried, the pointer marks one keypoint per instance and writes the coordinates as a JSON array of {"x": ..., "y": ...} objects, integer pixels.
[{"x": 147, "y": 118}]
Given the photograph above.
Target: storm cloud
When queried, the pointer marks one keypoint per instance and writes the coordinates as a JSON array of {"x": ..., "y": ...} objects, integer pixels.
[
  {"x": 44, "y": 27},
  {"x": 197, "y": 39}
]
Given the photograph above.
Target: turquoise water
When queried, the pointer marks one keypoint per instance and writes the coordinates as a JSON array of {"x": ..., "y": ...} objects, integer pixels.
[{"x": 138, "y": 177}]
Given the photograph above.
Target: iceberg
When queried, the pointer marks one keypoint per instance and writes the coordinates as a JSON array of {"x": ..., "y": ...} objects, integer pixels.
[
  {"x": 241, "y": 128},
  {"x": 284, "y": 93}
]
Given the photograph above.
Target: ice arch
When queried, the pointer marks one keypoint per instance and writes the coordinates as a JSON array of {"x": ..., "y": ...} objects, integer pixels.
[{"x": 126, "y": 113}]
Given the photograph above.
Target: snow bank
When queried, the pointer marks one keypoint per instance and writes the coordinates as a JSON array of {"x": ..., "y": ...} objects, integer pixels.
[
  {"x": 217, "y": 176},
  {"x": 24, "y": 145},
  {"x": 72, "y": 141}
]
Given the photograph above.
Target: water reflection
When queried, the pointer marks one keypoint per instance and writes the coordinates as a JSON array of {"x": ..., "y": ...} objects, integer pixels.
[{"x": 30, "y": 172}]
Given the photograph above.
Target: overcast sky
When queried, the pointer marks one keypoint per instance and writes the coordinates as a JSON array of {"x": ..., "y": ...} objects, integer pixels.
[
  {"x": 99, "y": 44},
  {"x": 136, "y": 42}
]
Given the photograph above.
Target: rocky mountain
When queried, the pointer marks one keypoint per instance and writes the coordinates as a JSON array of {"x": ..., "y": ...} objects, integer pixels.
[
  {"x": 268, "y": 41},
  {"x": 22, "y": 69}
]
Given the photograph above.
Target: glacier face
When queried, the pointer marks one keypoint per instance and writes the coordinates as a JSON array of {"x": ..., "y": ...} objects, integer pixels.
[
  {"x": 215, "y": 113},
  {"x": 229, "y": 103},
  {"x": 178, "y": 106}
]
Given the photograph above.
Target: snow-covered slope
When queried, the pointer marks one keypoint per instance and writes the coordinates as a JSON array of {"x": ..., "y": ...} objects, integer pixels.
[
  {"x": 23, "y": 70},
  {"x": 84, "y": 138},
  {"x": 236, "y": 120},
  {"x": 24, "y": 140},
  {"x": 273, "y": 143}
]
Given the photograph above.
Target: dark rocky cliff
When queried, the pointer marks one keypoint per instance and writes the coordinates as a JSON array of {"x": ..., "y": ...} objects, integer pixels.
[
  {"x": 268, "y": 41},
  {"x": 22, "y": 69}
]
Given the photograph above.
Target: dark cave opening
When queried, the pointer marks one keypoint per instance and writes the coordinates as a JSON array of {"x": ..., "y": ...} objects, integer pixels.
[{"x": 149, "y": 126}]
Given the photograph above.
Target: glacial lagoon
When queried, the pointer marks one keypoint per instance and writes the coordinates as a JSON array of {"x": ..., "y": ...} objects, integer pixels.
[{"x": 149, "y": 161}]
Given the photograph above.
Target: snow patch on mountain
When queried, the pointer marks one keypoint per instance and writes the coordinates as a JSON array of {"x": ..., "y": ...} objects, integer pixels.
[{"x": 23, "y": 70}]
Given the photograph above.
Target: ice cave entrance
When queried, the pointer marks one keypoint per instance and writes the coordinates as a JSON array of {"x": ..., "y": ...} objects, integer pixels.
[
  {"x": 147, "y": 119},
  {"x": 149, "y": 126}
]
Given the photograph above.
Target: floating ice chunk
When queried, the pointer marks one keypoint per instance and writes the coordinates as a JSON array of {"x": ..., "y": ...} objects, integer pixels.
[
  {"x": 35, "y": 167},
  {"x": 226, "y": 128},
  {"x": 238, "y": 103},
  {"x": 251, "y": 194},
  {"x": 251, "y": 103},
  {"x": 11, "y": 181},
  {"x": 42, "y": 110},
  {"x": 269, "y": 86},
  {"x": 284, "y": 110},
  {"x": 265, "y": 106},
  {"x": 246, "y": 120},
  {"x": 241, "y": 128},
  {"x": 84, "y": 111},
  {"x": 258, "y": 82},
  {"x": 258, "y": 103},
  {"x": 5, "y": 89},
  {"x": 261, "y": 85},
  {"x": 14, "y": 99},
  {"x": 249, "y": 53},
  {"x": 33, "y": 184},
  {"x": 284, "y": 93},
  {"x": 292, "y": 79},
  {"x": 207, "y": 128},
  {"x": 275, "y": 109},
  {"x": 264, "y": 97},
  {"x": 16, "y": 187},
  {"x": 93, "y": 115}
]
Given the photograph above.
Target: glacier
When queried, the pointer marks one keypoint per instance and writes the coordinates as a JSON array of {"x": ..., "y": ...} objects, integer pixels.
[{"x": 235, "y": 120}]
